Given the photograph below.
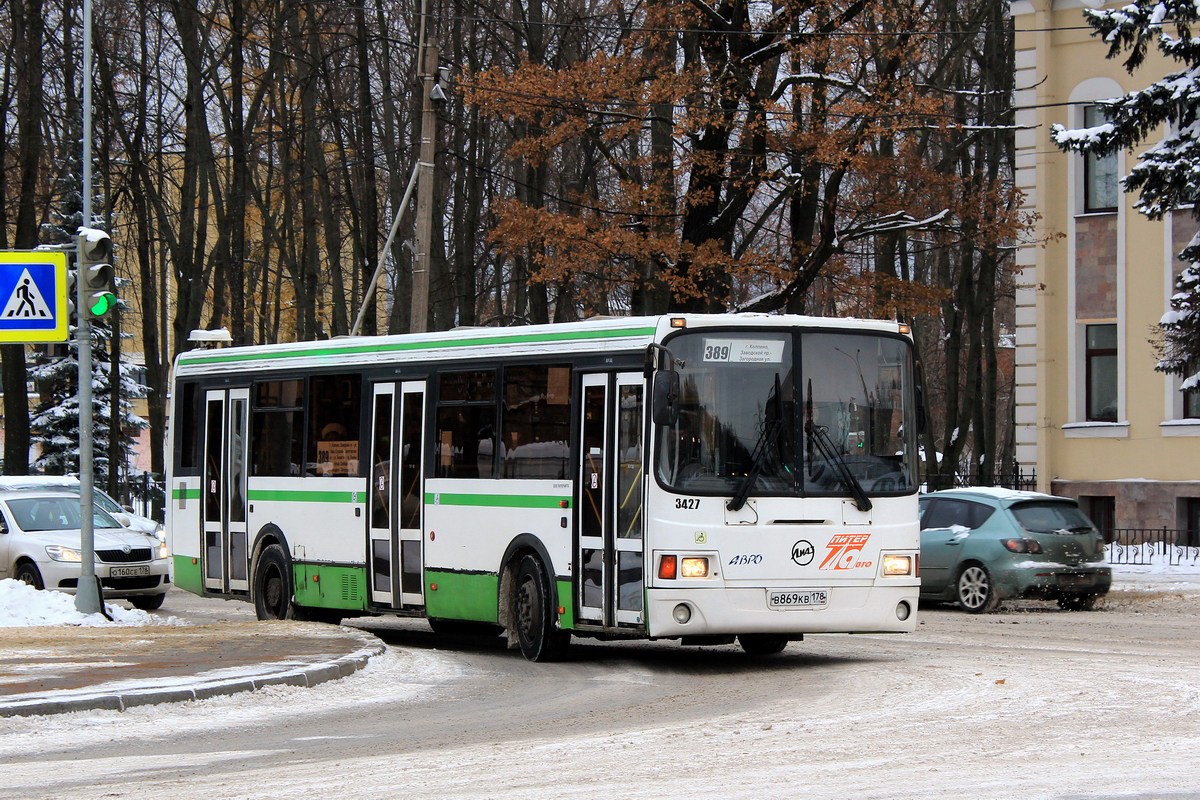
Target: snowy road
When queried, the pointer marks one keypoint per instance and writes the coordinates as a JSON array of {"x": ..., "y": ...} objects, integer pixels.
[{"x": 1027, "y": 703}]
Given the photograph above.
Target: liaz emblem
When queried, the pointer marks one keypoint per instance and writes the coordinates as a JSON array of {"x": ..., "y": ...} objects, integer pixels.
[{"x": 843, "y": 552}]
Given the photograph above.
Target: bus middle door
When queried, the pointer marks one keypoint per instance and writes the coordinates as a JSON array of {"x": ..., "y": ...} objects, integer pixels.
[
  {"x": 226, "y": 541},
  {"x": 610, "y": 558},
  {"x": 396, "y": 528}
]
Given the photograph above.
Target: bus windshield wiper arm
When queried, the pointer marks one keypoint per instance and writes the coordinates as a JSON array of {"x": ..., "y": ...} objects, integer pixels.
[
  {"x": 830, "y": 453},
  {"x": 769, "y": 436}
]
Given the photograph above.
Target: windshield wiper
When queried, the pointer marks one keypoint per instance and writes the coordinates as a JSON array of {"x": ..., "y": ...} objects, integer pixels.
[
  {"x": 769, "y": 436},
  {"x": 818, "y": 436},
  {"x": 766, "y": 439}
]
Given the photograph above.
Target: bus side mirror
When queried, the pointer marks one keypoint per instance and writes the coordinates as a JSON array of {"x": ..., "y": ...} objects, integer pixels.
[{"x": 665, "y": 397}]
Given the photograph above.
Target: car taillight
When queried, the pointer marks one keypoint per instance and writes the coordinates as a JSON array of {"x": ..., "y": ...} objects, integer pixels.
[{"x": 1023, "y": 545}]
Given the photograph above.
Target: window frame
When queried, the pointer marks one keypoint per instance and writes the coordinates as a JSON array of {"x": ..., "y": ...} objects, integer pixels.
[
  {"x": 1093, "y": 116},
  {"x": 1090, "y": 354}
]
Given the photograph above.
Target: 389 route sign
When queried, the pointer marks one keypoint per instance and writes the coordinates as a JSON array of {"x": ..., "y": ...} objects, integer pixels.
[{"x": 33, "y": 296}]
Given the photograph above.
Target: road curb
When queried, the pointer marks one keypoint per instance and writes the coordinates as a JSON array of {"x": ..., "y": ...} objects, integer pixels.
[{"x": 306, "y": 676}]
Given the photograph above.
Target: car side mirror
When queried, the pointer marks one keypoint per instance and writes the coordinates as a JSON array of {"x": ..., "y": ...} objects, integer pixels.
[
  {"x": 664, "y": 400},
  {"x": 123, "y": 519}
]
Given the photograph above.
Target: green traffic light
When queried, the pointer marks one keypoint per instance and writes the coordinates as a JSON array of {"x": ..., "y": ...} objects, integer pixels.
[{"x": 102, "y": 303}]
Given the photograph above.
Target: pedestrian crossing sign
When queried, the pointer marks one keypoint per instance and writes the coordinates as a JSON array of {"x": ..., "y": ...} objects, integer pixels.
[{"x": 33, "y": 296}]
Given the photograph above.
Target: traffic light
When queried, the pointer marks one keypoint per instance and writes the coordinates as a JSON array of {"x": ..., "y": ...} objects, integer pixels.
[
  {"x": 96, "y": 272},
  {"x": 72, "y": 295}
]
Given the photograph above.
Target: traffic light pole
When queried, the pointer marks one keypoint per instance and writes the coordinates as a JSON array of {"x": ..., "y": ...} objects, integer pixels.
[{"x": 87, "y": 593}]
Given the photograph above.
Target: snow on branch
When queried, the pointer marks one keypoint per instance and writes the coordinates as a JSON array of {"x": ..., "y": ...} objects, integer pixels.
[{"x": 889, "y": 223}]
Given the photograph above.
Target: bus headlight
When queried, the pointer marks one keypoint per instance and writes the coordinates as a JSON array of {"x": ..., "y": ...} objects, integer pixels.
[
  {"x": 693, "y": 568},
  {"x": 894, "y": 565}
]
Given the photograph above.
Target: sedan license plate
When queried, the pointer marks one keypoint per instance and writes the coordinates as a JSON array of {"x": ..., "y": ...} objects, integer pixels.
[
  {"x": 794, "y": 599},
  {"x": 1076, "y": 580},
  {"x": 128, "y": 572}
]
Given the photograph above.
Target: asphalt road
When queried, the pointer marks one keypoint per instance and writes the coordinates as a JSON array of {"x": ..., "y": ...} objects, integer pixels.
[{"x": 1031, "y": 702}]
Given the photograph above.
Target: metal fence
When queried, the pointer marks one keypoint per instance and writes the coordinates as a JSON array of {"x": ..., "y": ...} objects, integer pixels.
[
  {"x": 1008, "y": 478},
  {"x": 1173, "y": 547},
  {"x": 144, "y": 493}
]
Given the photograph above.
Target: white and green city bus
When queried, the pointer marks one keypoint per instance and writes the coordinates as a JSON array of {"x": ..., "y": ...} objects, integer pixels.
[{"x": 691, "y": 477}]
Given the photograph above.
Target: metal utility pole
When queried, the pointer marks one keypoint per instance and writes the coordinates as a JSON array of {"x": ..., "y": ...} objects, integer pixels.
[
  {"x": 87, "y": 592},
  {"x": 424, "y": 223}
]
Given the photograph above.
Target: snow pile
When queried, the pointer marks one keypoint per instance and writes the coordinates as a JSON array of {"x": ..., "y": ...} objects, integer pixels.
[{"x": 22, "y": 606}]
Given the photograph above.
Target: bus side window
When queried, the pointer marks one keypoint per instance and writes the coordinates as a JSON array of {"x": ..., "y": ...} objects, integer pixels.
[
  {"x": 187, "y": 443},
  {"x": 536, "y": 422},
  {"x": 466, "y": 425},
  {"x": 277, "y": 436},
  {"x": 333, "y": 426}
]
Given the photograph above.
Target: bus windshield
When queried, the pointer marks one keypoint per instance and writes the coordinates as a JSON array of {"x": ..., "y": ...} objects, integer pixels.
[{"x": 805, "y": 413}]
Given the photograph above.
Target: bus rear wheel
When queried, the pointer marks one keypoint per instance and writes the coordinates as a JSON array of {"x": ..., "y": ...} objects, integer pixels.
[
  {"x": 532, "y": 616},
  {"x": 273, "y": 584}
]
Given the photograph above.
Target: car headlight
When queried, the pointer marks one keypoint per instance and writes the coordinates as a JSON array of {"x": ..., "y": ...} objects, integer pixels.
[
  {"x": 58, "y": 552},
  {"x": 161, "y": 532},
  {"x": 160, "y": 550}
]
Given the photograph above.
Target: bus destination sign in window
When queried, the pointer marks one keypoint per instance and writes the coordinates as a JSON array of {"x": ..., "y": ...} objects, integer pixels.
[{"x": 743, "y": 351}]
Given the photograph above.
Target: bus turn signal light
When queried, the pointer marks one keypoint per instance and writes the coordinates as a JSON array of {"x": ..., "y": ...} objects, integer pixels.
[{"x": 666, "y": 568}]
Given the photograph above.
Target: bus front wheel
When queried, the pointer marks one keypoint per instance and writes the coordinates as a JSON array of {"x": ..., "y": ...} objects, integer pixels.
[
  {"x": 532, "y": 615},
  {"x": 273, "y": 584}
]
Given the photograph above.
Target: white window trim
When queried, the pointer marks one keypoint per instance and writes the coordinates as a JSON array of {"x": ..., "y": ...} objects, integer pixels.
[
  {"x": 1180, "y": 427},
  {"x": 1097, "y": 430}
]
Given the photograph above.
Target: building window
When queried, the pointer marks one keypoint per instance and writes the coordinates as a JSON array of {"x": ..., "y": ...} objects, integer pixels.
[
  {"x": 1190, "y": 535},
  {"x": 1101, "y": 361},
  {"x": 1191, "y": 397},
  {"x": 1099, "y": 172},
  {"x": 1102, "y": 511}
]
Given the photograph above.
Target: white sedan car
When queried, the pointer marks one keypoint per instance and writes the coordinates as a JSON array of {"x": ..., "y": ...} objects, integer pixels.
[{"x": 40, "y": 544}]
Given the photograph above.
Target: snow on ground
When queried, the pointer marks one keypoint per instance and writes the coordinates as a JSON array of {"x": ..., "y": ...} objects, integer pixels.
[{"x": 23, "y": 606}]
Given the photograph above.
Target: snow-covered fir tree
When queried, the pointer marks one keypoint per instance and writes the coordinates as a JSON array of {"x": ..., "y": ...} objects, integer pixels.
[
  {"x": 1167, "y": 175},
  {"x": 55, "y": 423}
]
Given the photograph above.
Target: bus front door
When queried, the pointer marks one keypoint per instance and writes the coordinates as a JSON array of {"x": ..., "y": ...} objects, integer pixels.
[
  {"x": 610, "y": 581},
  {"x": 396, "y": 529},
  {"x": 226, "y": 542}
]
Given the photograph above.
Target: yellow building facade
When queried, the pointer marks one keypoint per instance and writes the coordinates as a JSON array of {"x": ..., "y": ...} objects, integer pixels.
[{"x": 1094, "y": 417}]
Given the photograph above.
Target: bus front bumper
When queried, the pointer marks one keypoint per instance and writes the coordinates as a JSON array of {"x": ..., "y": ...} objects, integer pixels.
[{"x": 847, "y": 609}]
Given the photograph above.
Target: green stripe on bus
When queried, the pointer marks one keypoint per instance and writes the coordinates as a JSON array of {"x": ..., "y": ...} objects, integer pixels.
[
  {"x": 496, "y": 500},
  {"x": 567, "y": 618},
  {"x": 185, "y": 494},
  {"x": 328, "y": 586},
  {"x": 187, "y": 574},
  {"x": 304, "y": 496},
  {"x": 462, "y": 596},
  {"x": 219, "y": 357},
  {"x": 474, "y": 597}
]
